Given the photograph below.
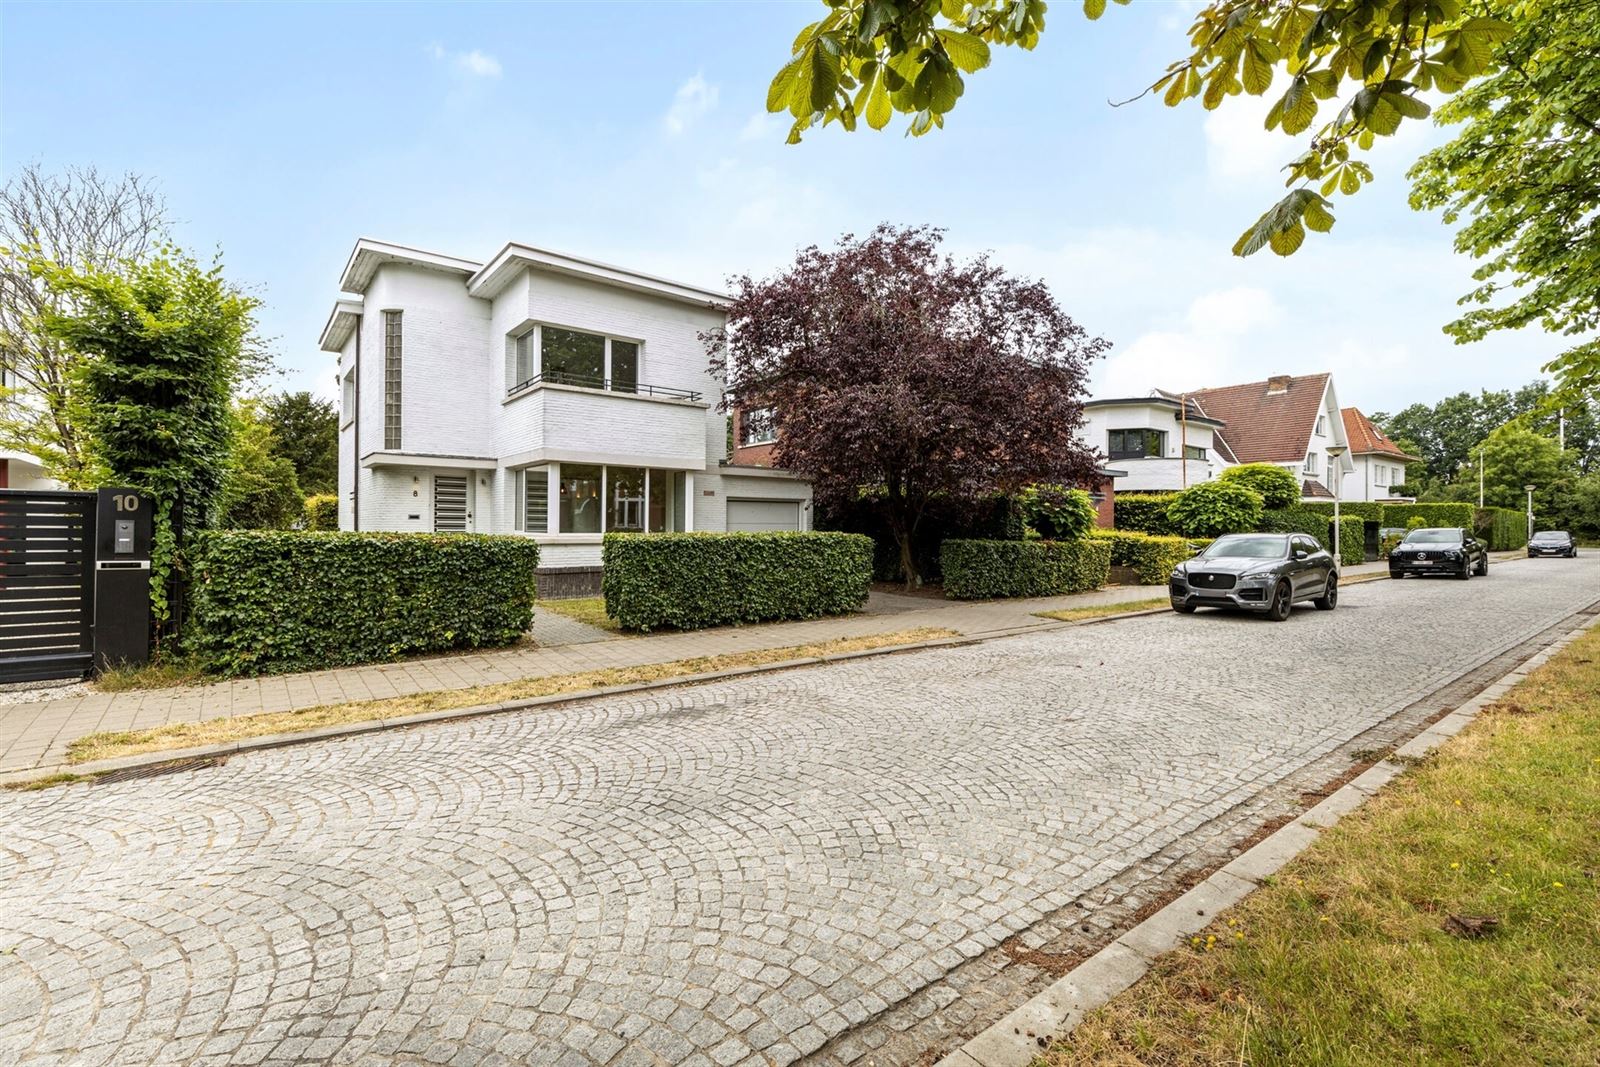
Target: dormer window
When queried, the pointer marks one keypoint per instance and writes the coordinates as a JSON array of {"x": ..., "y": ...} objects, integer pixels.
[{"x": 1322, "y": 425}]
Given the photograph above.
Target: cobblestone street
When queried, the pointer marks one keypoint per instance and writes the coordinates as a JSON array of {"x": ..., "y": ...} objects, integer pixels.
[{"x": 753, "y": 871}]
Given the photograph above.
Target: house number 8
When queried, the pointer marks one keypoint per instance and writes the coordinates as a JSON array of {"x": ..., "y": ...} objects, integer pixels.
[{"x": 126, "y": 502}]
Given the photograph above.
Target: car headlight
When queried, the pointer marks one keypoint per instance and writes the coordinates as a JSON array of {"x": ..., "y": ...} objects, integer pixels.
[{"x": 1255, "y": 577}]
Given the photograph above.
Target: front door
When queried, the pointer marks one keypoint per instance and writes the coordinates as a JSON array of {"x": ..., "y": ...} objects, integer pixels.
[{"x": 452, "y": 503}]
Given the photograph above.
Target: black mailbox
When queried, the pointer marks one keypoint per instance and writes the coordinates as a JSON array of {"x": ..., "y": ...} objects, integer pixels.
[{"x": 123, "y": 527}]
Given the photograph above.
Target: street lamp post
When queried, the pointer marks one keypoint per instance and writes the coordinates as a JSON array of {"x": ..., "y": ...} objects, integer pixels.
[
  {"x": 1335, "y": 452},
  {"x": 1530, "y": 489}
]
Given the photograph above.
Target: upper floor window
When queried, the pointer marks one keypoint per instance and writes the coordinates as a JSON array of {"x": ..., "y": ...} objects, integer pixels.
[
  {"x": 391, "y": 379},
  {"x": 1322, "y": 425},
  {"x": 1311, "y": 464},
  {"x": 347, "y": 397},
  {"x": 1194, "y": 452},
  {"x": 1136, "y": 444},
  {"x": 559, "y": 356},
  {"x": 1380, "y": 475},
  {"x": 756, "y": 427},
  {"x": 8, "y": 377}
]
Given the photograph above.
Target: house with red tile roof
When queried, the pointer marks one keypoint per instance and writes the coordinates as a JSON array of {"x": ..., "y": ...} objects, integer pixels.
[
  {"x": 1167, "y": 440},
  {"x": 1380, "y": 464}
]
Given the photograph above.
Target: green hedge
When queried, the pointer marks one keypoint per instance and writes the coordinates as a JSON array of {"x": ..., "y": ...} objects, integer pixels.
[
  {"x": 998, "y": 517},
  {"x": 262, "y": 601},
  {"x": 981, "y": 570},
  {"x": 1143, "y": 512},
  {"x": 1453, "y": 514},
  {"x": 1369, "y": 510},
  {"x": 1352, "y": 539},
  {"x": 1149, "y": 556},
  {"x": 1501, "y": 528},
  {"x": 693, "y": 580},
  {"x": 1297, "y": 520},
  {"x": 322, "y": 512}
]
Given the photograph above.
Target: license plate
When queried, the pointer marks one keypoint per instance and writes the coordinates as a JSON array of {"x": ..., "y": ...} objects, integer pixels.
[{"x": 1424, "y": 562}]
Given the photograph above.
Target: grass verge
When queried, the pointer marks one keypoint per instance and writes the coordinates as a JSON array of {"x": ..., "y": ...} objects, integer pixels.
[
  {"x": 589, "y": 609},
  {"x": 1373, "y": 947},
  {"x": 47, "y": 781},
  {"x": 113, "y": 744},
  {"x": 1098, "y": 610},
  {"x": 162, "y": 674}
]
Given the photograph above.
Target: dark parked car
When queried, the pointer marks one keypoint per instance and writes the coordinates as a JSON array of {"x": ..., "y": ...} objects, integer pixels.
[
  {"x": 1439, "y": 550},
  {"x": 1257, "y": 572},
  {"x": 1552, "y": 543}
]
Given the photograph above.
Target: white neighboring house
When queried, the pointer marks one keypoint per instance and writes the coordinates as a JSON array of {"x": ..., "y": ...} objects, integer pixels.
[
  {"x": 1286, "y": 420},
  {"x": 21, "y": 470},
  {"x": 538, "y": 394},
  {"x": 1380, "y": 464},
  {"x": 1155, "y": 442}
]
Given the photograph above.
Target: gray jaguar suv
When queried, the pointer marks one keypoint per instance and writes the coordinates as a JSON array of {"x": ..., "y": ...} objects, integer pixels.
[{"x": 1257, "y": 572}]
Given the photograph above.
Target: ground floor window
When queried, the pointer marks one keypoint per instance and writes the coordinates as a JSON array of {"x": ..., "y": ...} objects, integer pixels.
[{"x": 594, "y": 499}]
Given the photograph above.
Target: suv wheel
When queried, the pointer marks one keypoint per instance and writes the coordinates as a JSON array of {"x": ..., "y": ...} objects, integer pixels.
[
  {"x": 1330, "y": 598},
  {"x": 1278, "y": 610},
  {"x": 1466, "y": 570},
  {"x": 1483, "y": 566}
]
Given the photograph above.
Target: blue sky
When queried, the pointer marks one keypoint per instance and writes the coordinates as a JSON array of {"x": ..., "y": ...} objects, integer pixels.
[{"x": 634, "y": 133}]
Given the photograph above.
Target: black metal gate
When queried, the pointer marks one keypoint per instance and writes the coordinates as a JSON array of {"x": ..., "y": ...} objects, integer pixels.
[{"x": 47, "y": 552}]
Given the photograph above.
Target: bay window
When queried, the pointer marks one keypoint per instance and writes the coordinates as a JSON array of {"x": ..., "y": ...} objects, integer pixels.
[
  {"x": 593, "y": 499},
  {"x": 561, "y": 356}
]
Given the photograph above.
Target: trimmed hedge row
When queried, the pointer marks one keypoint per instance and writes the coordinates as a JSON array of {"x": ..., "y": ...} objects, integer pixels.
[
  {"x": 265, "y": 601},
  {"x": 1370, "y": 510},
  {"x": 1501, "y": 528},
  {"x": 1149, "y": 556},
  {"x": 998, "y": 517},
  {"x": 1352, "y": 539},
  {"x": 1144, "y": 513},
  {"x": 981, "y": 570},
  {"x": 693, "y": 580},
  {"x": 1450, "y": 514}
]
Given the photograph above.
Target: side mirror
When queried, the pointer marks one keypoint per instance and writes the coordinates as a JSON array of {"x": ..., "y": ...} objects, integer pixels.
[{"x": 1300, "y": 553}]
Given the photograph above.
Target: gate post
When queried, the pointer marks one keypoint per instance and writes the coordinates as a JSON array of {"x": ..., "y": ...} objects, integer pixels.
[{"x": 123, "y": 523}]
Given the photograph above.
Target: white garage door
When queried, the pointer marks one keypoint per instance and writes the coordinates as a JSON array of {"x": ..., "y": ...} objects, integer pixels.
[{"x": 758, "y": 516}]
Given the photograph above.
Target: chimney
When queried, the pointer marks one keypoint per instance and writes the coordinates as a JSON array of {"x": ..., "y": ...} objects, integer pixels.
[{"x": 1278, "y": 383}]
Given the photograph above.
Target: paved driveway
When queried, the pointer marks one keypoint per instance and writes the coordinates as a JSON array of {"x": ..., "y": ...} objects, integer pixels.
[{"x": 733, "y": 872}]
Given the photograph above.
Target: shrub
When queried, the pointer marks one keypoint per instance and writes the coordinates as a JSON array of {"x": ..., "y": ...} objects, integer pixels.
[
  {"x": 994, "y": 517},
  {"x": 693, "y": 580},
  {"x": 1446, "y": 514},
  {"x": 1213, "y": 508},
  {"x": 1149, "y": 556},
  {"x": 1368, "y": 510},
  {"x": 1057, "y": 513},
  {"x": 265, "y": 601},
  {"x": 322, "y": 512},
  {"x": 1501, "y": 528},
  {"x": 980, "y": 570},
  {"x": 1352, "y": 540},
  {"x": 1278, "y": 486},
  {"x": 1144, "y": 512},
  {"x": 1295, "y": 520}
]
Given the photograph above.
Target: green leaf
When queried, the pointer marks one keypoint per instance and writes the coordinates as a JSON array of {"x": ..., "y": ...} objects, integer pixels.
[
  {"x": 1478, "y": 38},
  {"x": 1257, "y": 73},
  {"x": 1410, "y": 106},
  {"x": 782, "y": 87},
  {"x": 1287, "y": 242},
  {"x": 1094, "y": 8},
  {"x": 878, "y": 110},
  {"x": 1299, "y": 107},
  {"x": 967, "y": 51}
]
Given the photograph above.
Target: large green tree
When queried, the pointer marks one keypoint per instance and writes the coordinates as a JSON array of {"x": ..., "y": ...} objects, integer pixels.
[
  {"x": 1518, "y": 76},
  {"x": 259, "y": 487},
  {"x": 1515, "y": 457},
  {"x": 159, "y": 348},
  {"x": 305, "y": 431}
]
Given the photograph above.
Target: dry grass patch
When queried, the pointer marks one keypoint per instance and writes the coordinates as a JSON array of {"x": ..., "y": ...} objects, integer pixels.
[
  {"x": 1455, "y": 919},
  {"x": 162, "y": 674},
  {"x": 589, "y": 609},
  {"x": 47, "y": 781},
  {"x": 114, "y": 744},
  {"x": 1096, "y": 611}
]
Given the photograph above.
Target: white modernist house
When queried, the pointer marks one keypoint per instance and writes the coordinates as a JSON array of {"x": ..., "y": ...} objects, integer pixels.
[
  {"x": 1155, "y": 442},
  {"x": 538, "y": 394},
  {"x": 20, "y": 470}
]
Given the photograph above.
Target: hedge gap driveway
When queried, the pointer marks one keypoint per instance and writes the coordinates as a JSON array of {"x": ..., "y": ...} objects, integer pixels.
[{"x": 758, "y": 870}]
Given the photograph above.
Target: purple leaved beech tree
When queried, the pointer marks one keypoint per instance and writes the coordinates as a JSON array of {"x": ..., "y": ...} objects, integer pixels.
[{"x": 892, "y": 369}]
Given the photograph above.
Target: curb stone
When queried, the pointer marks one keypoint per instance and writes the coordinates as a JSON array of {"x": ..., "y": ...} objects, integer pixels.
[{"x": 1018, "y": 1038}]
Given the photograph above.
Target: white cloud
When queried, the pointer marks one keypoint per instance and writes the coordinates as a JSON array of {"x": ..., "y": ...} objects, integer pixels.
[
  {"x": 1238, "y": 143},
  {"x": 474, "y": 63},
  {"x": 693, "y": 99},
  {"x": 1180, "y": 14},
  {"x": 1229, "y": 312},
  {"x": 1208, "y": 352},
  {"x": 762, "y": 126}
]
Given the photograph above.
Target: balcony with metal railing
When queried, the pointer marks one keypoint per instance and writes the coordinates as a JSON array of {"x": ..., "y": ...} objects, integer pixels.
[{"x": 609, "y": 385}]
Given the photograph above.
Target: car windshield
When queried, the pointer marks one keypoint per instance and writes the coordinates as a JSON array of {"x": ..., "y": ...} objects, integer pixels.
[
  {"x": 1551, "y": 535},
  {"x": 1248, "y": 547},
  {"x": 1433, "y": 537}
]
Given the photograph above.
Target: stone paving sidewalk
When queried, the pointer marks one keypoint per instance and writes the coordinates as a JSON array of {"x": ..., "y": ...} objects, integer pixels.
[{"x": 36, "y": 735}]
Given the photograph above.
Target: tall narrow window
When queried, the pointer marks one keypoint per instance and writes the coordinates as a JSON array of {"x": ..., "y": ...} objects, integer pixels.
[
  {"x": 624, "y": 366},
  {"x": 580, "y": 498},
  {"x": 527, "y": 357},
  {"x": 533, "y": 500},
  {"x": 391, "y": 379},
  {"x": 625, "y": 509}
]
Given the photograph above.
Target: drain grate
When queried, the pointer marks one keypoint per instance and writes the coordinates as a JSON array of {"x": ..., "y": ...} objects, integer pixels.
[{"x": 153, "y": 770}]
